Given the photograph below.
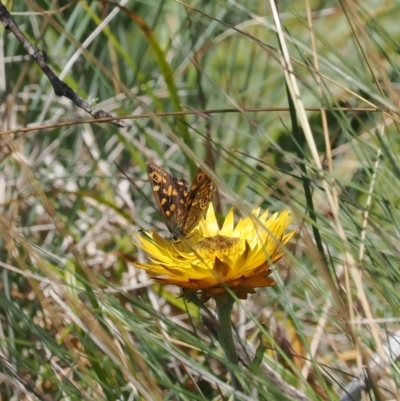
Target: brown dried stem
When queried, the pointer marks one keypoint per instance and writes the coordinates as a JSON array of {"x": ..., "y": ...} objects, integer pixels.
[{"x": 60, "y": 87}]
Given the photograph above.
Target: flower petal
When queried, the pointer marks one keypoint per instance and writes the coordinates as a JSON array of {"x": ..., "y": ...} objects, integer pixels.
[
  {"x": 211, "y": 224},
  {"x": 228, "y": 226}
]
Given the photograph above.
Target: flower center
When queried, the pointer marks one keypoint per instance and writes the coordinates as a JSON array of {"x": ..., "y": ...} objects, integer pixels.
[{"x": 217, "y": 246}]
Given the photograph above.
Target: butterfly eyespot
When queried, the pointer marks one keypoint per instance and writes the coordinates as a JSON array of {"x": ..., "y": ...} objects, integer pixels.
[
  {"x": 155, "y": 178},
  {"x": 204, "y": 202}
]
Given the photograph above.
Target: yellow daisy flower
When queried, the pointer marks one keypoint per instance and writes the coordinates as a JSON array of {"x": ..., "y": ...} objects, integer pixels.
[{"x": 212, "y": 259}]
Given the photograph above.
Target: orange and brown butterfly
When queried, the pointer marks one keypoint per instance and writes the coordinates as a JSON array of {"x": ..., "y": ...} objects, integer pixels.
[{"x": 182, "y": 208}]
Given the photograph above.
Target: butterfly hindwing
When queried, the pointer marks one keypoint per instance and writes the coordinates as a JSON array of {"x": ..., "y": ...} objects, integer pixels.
[{"x": 200, "y": 196}]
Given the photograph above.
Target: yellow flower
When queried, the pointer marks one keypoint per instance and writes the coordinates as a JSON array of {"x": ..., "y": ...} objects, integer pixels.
[{"x": 212, "y": 259}]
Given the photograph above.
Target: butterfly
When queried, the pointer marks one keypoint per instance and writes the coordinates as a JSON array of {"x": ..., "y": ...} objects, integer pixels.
[{"x": 182, "y": 208}]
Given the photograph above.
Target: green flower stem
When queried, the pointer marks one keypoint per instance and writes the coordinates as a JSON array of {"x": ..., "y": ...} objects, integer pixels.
[{"x": 224, "y": 311}]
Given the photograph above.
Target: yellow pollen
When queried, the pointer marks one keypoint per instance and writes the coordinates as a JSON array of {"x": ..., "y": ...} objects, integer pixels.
[{"x": 217, "y": 246}]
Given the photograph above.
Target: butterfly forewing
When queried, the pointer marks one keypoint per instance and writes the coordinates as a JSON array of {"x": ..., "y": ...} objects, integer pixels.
[
  {"x": 182, "y": 209},
  {"x": 200, "y": 196},
  {"x": 170, "y": 194}
]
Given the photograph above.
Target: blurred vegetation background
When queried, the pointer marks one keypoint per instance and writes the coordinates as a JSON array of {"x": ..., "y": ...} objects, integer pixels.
[{"x": 199, "y": 81}]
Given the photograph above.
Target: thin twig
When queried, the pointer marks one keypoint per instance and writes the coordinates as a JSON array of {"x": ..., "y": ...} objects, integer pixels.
[
  {"x": 202, "y": 113},
  {"x": 60, "y": 87}
]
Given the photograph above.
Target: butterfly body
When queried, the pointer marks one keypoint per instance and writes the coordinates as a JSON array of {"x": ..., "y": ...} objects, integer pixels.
[{"x": 182, "y": 208}]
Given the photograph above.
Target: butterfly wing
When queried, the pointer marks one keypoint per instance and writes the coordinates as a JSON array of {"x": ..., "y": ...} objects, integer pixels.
[
  {"x": 200, "y": 196},
  {"x": 171, "y": 194}
]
